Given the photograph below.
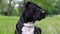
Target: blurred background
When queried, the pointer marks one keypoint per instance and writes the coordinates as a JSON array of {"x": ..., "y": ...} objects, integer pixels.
[{"x": 11, "y": 10}]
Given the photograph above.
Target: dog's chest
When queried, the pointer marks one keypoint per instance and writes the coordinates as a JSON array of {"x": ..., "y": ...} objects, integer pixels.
[{"x": 28, "y": 30}]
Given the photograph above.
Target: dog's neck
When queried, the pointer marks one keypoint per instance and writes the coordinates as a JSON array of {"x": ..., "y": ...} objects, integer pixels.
[
  {"x": 28, "y": 24},
  {"x": 28, "y": 28}
]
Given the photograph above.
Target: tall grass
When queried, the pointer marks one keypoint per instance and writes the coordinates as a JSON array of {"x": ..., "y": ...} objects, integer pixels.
[{"x": 49, "y": 25}]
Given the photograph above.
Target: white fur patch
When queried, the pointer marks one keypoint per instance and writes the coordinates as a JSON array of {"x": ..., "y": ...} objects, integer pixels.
[
  {"x": 28, "y": 28},
  {"x": 43, "y": 11}
]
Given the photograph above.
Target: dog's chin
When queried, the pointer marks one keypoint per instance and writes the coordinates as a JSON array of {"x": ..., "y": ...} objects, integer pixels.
[{"x": 38, "y": 19}]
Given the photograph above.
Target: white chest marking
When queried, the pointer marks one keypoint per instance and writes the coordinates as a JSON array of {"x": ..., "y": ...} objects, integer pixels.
[{"x": 28, "y": 28}]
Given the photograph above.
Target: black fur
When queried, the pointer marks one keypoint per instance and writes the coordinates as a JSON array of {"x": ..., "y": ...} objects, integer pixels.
[{"x": 33, "y": 13}]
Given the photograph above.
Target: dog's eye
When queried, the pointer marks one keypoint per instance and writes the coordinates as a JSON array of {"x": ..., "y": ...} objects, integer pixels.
[{"x": 38, "y": 9}]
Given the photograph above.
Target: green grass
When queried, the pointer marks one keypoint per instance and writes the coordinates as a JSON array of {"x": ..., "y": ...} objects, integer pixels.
[{"x": 49, "y": 25}]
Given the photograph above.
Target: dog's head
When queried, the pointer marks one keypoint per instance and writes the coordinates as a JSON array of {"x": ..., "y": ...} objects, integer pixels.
[{"x": 33, "y": 12}]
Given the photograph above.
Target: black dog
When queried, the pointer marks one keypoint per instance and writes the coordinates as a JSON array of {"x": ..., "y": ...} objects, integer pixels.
[{"x": 31, "y": 14}]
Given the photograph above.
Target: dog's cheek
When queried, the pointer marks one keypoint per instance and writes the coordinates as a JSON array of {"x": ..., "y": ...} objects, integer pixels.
[{"x": 35, "y": 16}]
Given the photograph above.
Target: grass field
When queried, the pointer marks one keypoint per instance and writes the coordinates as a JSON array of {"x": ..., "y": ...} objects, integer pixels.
[{"x": 49, "y": 25}]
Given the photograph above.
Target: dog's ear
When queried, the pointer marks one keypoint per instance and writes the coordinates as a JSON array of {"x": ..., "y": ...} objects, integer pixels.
[{"x": 29, "y": 5}]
